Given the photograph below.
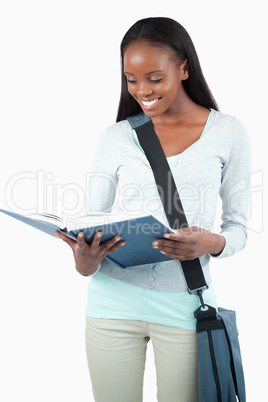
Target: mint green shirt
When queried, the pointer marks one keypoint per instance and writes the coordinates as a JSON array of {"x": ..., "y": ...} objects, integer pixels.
[{"x": 114, "y": 299}]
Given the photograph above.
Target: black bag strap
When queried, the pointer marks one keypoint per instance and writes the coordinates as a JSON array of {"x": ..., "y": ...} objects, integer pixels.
[{"x": 169, "y": 195}]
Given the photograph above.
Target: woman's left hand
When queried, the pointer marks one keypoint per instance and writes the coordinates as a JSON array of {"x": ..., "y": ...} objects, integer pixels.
[{"x": 190, "y": 243}]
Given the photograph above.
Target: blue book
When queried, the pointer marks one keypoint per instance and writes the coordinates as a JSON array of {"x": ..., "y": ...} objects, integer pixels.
[{"x": 138, "y": 233}]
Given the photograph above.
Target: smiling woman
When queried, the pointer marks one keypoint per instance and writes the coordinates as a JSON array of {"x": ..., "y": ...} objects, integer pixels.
[
  {"x": 162, "y": 79},
  {"x": 169, "y": 36}
]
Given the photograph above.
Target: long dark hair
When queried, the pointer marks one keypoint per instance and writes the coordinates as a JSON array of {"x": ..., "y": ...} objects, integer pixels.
[{"x": 165, "y": 32}]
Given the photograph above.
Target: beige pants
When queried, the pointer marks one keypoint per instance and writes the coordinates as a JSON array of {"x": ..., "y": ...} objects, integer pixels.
[{"x": 116, "y": 352}]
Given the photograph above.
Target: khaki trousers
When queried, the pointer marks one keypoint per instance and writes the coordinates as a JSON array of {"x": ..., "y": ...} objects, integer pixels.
[{"x": 116, "y": 353}]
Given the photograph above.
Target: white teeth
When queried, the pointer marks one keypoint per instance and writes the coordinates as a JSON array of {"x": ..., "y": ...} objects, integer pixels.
[{"x": 149, "y": 103}]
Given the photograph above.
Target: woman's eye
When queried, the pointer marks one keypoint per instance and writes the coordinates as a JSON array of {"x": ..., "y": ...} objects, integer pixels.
[
  {"x": 131, "y": 81},
  {"x": 156, "y": 80}
]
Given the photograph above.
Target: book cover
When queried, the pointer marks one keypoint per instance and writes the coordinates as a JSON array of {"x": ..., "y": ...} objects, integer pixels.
[{"x": 138, "y": 233}]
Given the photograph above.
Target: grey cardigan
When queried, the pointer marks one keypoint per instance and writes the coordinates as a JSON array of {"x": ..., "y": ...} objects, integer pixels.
[{"x": 219, "y": 163}]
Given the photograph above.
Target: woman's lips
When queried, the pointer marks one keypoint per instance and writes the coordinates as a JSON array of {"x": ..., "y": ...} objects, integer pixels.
[{"x": 149, "y": 104}]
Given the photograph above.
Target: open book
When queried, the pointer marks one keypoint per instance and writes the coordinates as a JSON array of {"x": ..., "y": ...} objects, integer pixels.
[{"x": 137, "y": 232}]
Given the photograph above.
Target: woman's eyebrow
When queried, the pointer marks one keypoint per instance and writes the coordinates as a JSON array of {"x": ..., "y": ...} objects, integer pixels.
[
  {"x": 150, "y": 72},
  {"x": 155, "y": 71}
]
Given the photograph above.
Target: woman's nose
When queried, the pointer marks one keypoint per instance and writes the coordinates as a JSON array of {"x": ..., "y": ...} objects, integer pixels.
[{"x": 144, "y": 90}]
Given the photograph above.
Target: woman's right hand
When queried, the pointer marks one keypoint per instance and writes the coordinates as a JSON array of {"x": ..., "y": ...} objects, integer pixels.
[{"x": 89, "y": 256}]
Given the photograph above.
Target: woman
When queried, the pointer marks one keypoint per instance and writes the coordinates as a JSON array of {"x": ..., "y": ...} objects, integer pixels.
[{"x": 209, "y": 154}]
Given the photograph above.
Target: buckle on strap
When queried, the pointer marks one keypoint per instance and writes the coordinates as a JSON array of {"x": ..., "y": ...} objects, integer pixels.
[{"x": 199, "y": 292}]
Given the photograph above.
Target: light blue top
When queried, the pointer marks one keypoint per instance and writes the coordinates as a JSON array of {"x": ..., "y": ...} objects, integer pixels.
[
  {"x": 113, "y": 299},
  {"x": 121, "y": 181}
]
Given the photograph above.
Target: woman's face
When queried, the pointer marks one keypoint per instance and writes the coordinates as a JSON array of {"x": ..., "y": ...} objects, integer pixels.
[{"x": 154, "y": 78}]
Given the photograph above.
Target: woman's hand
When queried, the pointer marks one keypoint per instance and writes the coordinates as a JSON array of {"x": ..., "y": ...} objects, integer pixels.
[
  {"x": 88, "y": 257},
  {"x": 190, "y": 243}
]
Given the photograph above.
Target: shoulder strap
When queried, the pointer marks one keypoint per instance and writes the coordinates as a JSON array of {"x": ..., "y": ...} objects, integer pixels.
[
  {"x": 138, "y": 120},
  {"x": 168, "y": 193}
]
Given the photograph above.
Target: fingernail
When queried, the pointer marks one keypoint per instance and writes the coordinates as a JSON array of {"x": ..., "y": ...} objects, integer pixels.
[
  {"x": 166, "y": 235},
  {"x": 118, "y": 238}
]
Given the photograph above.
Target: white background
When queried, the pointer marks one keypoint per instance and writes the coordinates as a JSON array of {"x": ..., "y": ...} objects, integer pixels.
[{"x": 60, "y": 82}]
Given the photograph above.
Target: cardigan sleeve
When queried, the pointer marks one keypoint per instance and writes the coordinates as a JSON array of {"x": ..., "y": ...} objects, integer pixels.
[
  {"x": 235, "y": 191},
  {"x": 102, "y": 182}
]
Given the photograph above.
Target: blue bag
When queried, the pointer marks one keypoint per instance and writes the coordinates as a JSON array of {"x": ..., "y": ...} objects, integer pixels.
[{"x": 220, "y": 370}]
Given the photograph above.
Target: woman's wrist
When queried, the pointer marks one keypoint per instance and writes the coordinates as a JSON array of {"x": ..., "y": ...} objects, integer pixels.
[
  {"x": 217, "y": 244},
  {"x": 86, "y": 270}
]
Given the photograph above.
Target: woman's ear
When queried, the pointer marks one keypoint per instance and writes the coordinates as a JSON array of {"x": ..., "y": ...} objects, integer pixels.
[{"x": 185, "y": 70}]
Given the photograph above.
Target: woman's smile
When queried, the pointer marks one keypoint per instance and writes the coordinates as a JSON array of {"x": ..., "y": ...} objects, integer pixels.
[{"x": 149, "y": 104}]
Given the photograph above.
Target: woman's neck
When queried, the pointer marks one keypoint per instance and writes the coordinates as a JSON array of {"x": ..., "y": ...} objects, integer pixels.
[{"x": 183, "y": 110}]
